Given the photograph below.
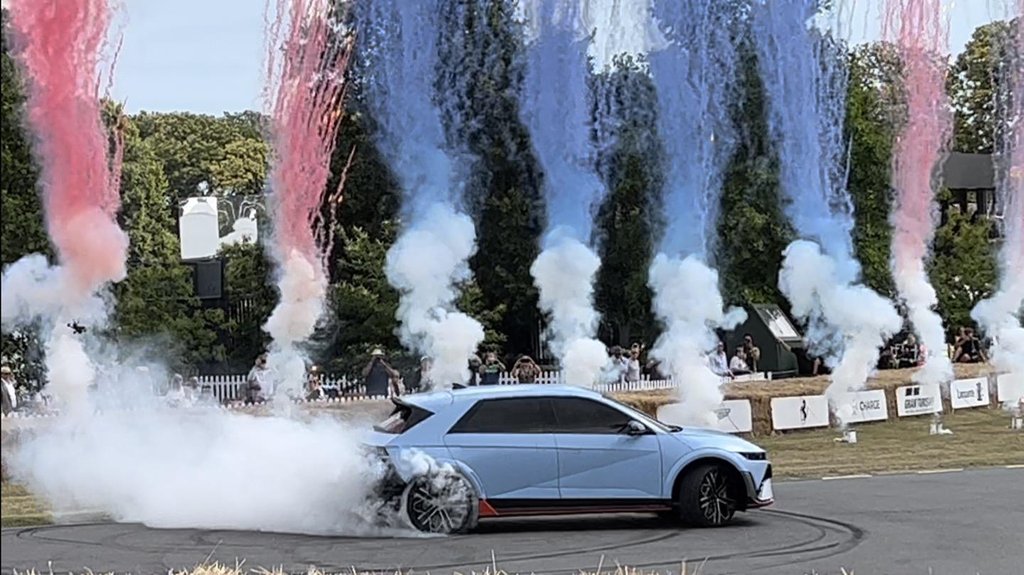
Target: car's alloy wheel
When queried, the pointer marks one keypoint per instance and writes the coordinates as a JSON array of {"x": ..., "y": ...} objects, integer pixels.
[
  {"x": 441, "y": 504},
  {"x": 705, "y": 497},
  {"x": 715, "y": 503}
]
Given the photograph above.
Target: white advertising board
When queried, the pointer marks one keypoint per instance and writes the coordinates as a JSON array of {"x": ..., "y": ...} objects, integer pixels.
[
  {"x": 800, "y": 412},
  {"x": 1010, "y": 388},
  {"x": 918, "y": 400},
  {"x": 198, "y": 229},
  {"x": 861, "y": 406},
  {"x": 967, "y": 393},
  {"x": 733, "y": 416}
]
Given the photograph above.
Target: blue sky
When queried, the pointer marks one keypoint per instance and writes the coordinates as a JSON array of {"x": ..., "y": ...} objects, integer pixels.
[{"x": 207, "y": 55}]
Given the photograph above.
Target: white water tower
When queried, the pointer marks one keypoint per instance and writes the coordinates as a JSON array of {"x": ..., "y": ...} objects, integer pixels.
[{"x": 199, "y": 229}]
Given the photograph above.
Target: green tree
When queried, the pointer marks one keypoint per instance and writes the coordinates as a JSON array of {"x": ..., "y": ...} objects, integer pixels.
[
  {"x": 630, "y": 164},
  {"x": 251, "y": 297},
  {"x": 753, "y": 232},
  {"x": 21, "y": 213},
  {"x": 157, "y": 298},
  {"x": 963, "y": 267},
  {"x": 227, "y": 152},
  {"x": 976, "y": 84},
  {"x": 481, "y": 70},
  {"x": 871, "y": 114}
]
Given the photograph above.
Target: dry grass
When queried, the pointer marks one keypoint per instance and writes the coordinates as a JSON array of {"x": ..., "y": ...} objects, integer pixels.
[{"x": 20, "y": 508}]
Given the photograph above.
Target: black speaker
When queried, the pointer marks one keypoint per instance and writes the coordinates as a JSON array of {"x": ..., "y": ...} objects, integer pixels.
[{"x": 209, "y": 279}]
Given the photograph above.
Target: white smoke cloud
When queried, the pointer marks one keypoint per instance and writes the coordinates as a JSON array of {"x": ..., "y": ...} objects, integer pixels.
[
  {"x": 564, "y": 275},
  {"x": 204, "y": 468},
  {"x": 1000, "y": 317},
  {"x": 855, "y": 320},
  {"x": 688, "y": 303},
  {"x": 920, "y": 297},
  {"x": 426, "y": 264},
  {"x": 303, "y": 290}
]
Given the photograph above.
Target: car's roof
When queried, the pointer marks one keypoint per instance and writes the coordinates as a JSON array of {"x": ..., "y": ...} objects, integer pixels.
[{"x": 436, "y": 399}]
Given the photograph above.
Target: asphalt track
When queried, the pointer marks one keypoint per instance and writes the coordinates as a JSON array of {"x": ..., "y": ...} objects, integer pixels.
[{"x": 955, "y": 523}]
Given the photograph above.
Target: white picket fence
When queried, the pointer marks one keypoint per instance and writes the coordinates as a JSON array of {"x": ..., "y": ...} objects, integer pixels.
[{"x": 228, "y": 388}]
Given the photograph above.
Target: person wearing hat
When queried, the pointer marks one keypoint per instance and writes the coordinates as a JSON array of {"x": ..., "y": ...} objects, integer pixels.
[
  {"x": 377, "y": 374},
  {"x": 10, "y": 399}
]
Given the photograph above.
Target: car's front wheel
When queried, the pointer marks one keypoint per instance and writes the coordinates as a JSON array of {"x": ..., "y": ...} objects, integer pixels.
[
  {"x": 443, "y": 504},
  {"x": 706, "y": 498}
]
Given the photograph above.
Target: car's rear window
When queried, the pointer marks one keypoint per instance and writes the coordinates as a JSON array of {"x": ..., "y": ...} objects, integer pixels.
[{"x": 402, "y": 419}]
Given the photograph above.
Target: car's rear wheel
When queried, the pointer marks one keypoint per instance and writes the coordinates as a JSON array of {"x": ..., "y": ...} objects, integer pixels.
[
  {"x": 706, "y": 497},
  {"x": 442, "y": 504}
]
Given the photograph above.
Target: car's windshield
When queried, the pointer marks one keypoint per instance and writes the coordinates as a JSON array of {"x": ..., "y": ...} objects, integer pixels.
[{"x": 643, "y": 417}]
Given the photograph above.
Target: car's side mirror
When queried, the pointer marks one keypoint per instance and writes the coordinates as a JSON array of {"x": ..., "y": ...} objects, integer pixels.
[{"x": 636, "y": 428}]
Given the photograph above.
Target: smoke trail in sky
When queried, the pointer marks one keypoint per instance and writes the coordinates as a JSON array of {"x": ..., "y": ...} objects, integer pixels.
[
  {"x": 917, "y": 29},
  {"x": 695, "y": 79},
  {"x": 805, "y": 88},
  {"x": 59, "y": 45},
  {"x": 1000, "y": 315},
  {"x": 556, "y": 108},
  {"x": 306, "y": 78},
  {"x": 398, "y": 60}
]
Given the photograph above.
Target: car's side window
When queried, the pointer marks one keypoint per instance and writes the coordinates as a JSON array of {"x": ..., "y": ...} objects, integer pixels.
[
  {"x": 586, "y": 416},
  {"x": 511, "y": 415}
]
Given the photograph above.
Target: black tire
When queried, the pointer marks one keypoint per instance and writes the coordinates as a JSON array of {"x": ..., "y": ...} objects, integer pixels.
[
  {"x": 442, "y": 504},
  {"x": 706, "y": 497}
]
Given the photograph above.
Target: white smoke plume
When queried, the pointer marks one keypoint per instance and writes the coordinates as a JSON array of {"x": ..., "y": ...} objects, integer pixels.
[
  {"x": 849, "y": 316},
  {"x": 564, "y": 275},
  {"x": 203, "y": 468},
  {"x": 921, "y": 299},
  {"x": 687, "y": 301},
  {"x": 303, "y": 290},
  {"x": 426, "y": 264}
]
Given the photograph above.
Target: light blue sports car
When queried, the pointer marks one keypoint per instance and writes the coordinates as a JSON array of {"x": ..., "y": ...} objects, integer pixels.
[{"x": 556, "y": 449}]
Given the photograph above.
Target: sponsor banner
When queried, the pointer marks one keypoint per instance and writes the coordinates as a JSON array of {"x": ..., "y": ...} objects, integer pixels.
[
  {"x": 733, "y": 416},
  {"x": 800, "y": 412},
  {"x": 967, "y": 393},
  {"x": 1010, "y": 388},
  {"x": 862, "y": 406},
  {"x": 918, "y": 399}
]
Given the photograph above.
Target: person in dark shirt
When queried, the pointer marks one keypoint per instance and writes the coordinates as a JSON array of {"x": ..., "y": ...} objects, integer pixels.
[
  {"x": 490, "y": 371},
  {"x": 377, "y": 374},
  {"x": 969, "y": 349}
]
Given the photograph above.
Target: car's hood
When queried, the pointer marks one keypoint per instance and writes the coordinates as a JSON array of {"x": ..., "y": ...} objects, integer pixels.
[{"x": 702, "y": 437}]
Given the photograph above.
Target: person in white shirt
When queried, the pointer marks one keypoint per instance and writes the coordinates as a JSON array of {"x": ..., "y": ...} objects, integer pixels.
[
  {"x": 633, "y": 366},
  {"x": 257, "y": 383},
  {"x": 718, "y": 362},
  {"x": 10, "y": 391},
  {"x": 738, "y": 365}
]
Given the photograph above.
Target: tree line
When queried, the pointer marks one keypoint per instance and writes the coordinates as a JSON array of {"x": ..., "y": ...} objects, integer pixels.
[{"x": 167, "y": 155}]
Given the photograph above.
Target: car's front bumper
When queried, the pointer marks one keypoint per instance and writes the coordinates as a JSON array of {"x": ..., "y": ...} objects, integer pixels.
[{"x": 760, "y": 494}]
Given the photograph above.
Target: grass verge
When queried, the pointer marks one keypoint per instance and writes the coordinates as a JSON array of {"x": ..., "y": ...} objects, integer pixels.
[
  {"x": 20, "y": 508},
  {"x": 981, "y": 438}
]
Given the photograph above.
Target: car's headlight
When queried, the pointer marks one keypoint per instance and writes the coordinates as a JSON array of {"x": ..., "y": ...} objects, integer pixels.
[{"x": 755, "y": 456}]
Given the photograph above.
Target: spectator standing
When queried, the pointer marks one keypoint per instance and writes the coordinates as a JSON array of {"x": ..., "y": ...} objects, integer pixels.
[
  {"x": 256, "y": 381},
  {"x": 314, "y": 384},
  {"x": 752, "y": 353},
  {"x": 474, "y": 369},
  {"x": 490, "y": 371},
  {"x": 719, "y": 362},
  {"x": 632, "y": 374},
  {"x": 618, "y": 363},
  {"x": 526, "y": 370},
  {"x": 738, "y": 365},
  {"x": 10, "y": 390},
  {"x": 421, "y": 379},
  {"x": 378, "y": 374}
]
